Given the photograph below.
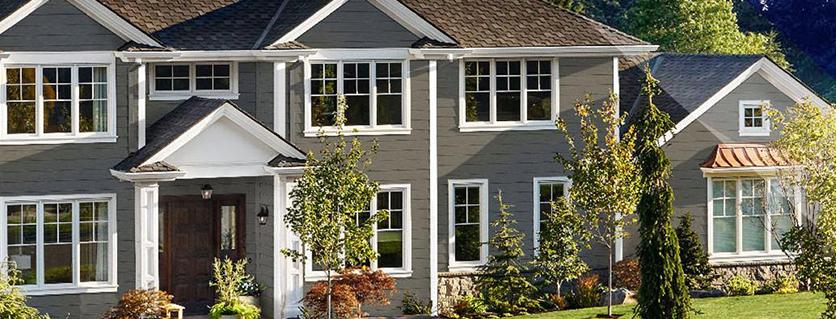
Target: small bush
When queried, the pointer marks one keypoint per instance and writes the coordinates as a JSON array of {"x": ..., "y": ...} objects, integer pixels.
[
  {"x": 140, "y": 304},
  {"x": 740, "y": 286},
  {"x": 695, "y": 260},
  {"x": 781, "y": 285},
  {"x": 627, "y": 274},
  {"x": 557, "y": 301},
  {"x": 248, "y": 286},
  {"x": 411, "y": 305},
  {"x": 586, "y": 292},
  {"x": 240, "y": 309},
  {"x": 350, "y": 291},
  {"x": 468, "y": 307}
]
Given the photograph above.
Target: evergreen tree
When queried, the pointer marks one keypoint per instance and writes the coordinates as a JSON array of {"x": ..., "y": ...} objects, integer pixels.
[
  {"x": 504, "y": 286},
  {"x": 694, "y": 258},
  {"x": 576, "y": 6},
  {"x": 562, "y": 236},
  {"x": 706, "y": 26},
  {"x": 663, "y": 293}
]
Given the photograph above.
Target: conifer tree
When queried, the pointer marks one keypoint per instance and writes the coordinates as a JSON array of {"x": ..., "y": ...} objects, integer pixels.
[
  {"x": 502, "y": 282},
  {"x": 694, "y": 258},
  {"x": 663, "y": 293}
]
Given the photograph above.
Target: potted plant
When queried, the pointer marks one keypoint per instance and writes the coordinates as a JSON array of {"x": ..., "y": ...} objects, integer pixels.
[
  {"x": 249, "y": 290},
  {"x": 227, "y": 275}
]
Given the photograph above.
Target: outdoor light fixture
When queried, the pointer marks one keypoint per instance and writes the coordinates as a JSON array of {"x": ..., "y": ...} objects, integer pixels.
[
  {"x": 206, "y": 191},
  {"x": 262, "y": 215}
]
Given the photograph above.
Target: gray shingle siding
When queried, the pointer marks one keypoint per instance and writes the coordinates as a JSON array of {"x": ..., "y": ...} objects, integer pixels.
[
  {"x": 358, "y": 24},
  {"x": 57, "y": 26}
]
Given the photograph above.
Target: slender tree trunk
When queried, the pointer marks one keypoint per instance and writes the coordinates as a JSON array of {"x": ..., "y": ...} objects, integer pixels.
[
  {"x": 610, "y": 283},
  {"x": 328, "y": 293}
]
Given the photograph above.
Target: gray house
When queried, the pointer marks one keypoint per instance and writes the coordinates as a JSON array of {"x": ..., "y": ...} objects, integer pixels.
[{"x": 141, "y": 139}]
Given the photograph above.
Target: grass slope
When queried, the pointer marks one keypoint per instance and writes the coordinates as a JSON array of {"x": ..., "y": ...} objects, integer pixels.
[{"x": 801, "y": 305}]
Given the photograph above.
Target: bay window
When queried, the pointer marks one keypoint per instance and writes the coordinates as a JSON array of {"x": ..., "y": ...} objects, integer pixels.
[
  {"x": 748, "y": 215},
  {"x": 61, "y": 244},
  {"x": 502, "y": 94},
  {"x": 57, "y": 103},
  {"x": 468, "y": 223},
  {"x": 376, "y": 96}
]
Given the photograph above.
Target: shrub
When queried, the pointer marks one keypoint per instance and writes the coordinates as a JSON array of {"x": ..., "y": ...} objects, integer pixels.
[
  {"x": 240, "y": 309},
  {"x": 248, "y": 286},
  {"x": 354, "y": 288},
  {"x": 781, "y": 285},
  {"x": 12, "y": 300},
  {"x": 695, "y": 261},
  {"x": 467, "y": 307},
  {"x": 586, "y": 292},
  {"x": 227, "y": 276},
  {"x": 740, "y": 286},
  {"x": 627, "y": 273},
  {"x": 411, "y": 305},
  {"x": 139, "y": 304}
]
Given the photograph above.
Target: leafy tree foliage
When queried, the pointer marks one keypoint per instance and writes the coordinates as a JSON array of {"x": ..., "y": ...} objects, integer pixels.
[
  {"x": 663, "y": 292},
  {"x": 332, "y": 189},
  {"x": 562, "y": 236},
  {"x": 707, "y": 26},
  {"x": 576, "y": 6},
  {"x": 604, "y": 173},
  {"x": 504, "y": 286},
  {"x": 12, "y": 300},
  {"x": 807, "y": 139},
  {"x": 695, "y": 260}
]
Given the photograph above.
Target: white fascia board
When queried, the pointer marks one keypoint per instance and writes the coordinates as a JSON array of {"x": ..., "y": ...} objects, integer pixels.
[
  {"x": 75, "y": 57},
  {"x": 738, "y": 171},
  {"x": 20, "y": 13},
  {"x": 287, "y": 171},
  {"x": 767, "y": 69},
  {"x": 113, "y": 22},
  {"x": 517, "y": 52},
  {"x": 147, "y": 177},
  {"x": 225, "y": 55}
]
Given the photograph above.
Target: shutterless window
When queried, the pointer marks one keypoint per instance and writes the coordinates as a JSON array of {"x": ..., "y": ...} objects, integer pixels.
[
  {"x": 388, "y": 94},
  {"x": 373, "y": 92},
  {"x": 212, "y": 77},
  {"x": 521, "y": 91},
  {"x": 73, "y": 235},
  {"x": 390, "y": 231},
  {"x": 171, "y": 77},
  {"x": 59, "y": 107},
  {"x": 477, "y": 91},
  {"x": 753, "y": 117},
  {"x": 548, "y": 192},
  {"x": 467, "y": 210},
  {"x": 356, "y": 88},
  {"x": 323, "y": 93},
  {"x": 539, "y": 90}
]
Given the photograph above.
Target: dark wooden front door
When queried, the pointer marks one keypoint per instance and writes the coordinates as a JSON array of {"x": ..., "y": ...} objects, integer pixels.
[{"x": 193, "y": 232}]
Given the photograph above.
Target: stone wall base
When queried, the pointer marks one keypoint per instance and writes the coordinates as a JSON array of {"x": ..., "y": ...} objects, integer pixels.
[
  {"x": 453, "y": 286},
  {"x": 760, "y": 272}
]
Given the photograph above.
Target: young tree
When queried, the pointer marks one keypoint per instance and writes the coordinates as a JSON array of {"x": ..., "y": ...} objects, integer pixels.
[
  {"x": 706, "y": 26},
  {"x": 604, "y": 173},
  {"x": 332, "y": 189},
  {"x": 562, "y": 236},
  {"x": 694, "y": 259},
  {"x": 663, "y": 293},
  {"x": 807, "y": 138},
  {"x": 502, "y": 281}
]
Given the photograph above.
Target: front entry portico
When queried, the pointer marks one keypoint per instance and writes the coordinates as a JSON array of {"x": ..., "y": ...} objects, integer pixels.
[{"x": 177, "y": 236}]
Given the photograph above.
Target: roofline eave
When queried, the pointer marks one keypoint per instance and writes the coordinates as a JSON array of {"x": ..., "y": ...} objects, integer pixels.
[
  {"x": 146, "y": 177},
  {"x": 209, "y": 55},
  {"x": 575, "y": 51}
]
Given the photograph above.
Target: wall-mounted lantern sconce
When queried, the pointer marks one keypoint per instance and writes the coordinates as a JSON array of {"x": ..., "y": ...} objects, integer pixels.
[
  {"x": 262, "y": 215},
  {"x": 206, "y": 191}
]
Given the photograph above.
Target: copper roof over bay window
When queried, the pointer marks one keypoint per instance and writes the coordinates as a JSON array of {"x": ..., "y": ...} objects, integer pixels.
[{"x": 745, "y": 155}]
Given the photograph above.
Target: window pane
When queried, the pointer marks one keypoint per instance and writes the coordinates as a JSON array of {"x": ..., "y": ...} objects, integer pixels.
[
  {"x": 203, "y": 84},
  {"x": 753, "y": 233},
  {"x": 228, "y": 228},
  {"x": 723, "y": 235},
  {"x": 57, "y": 117},
  {"x": 477, "y": 107},
  {"x": 467, "y": 243},
  {"x": 221, "y": 83},
  {"x": 180, "y": 84},
  {"x": 781, "y": 225},
  {"x": 323, "y": 109},
  {"x": 58, "y": 267},
  {"x": 390, "y": 249},
  {"x": 203, "y": 70},
  {"x": 94, "y": 265},
  {"x": 357, "y": 112},
  {"x": 21, "y": 118},
  {"x": 460, "y": 214},
  {"x": 508, "y": 106},
  {"x": 25, "y": 258},
  {"x": 539, "y": 106},
  {"x": 93, "y": 116}
]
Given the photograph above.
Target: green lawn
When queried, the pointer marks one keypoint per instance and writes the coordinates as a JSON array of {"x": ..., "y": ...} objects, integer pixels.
[{"x": 801, "y": 305}]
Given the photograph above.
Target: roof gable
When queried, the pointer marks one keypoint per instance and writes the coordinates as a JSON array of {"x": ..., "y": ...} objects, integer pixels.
[{"x": 357, "y": 24}]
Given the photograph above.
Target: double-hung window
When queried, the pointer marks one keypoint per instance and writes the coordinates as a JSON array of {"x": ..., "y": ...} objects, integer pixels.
[
  {"x": 57, "y": 103},
  {"x": 546, "y": 191},
  {"x": 61, "y": 244},
  {"x": 376, "y": 96},
  {"x": 752, "y": 118},
  {"x": 178, "y": 81},
  {"x": 502, "y": 94},
  {"x": 468, "y": 220},
  {"x": 749, "y": 215}
]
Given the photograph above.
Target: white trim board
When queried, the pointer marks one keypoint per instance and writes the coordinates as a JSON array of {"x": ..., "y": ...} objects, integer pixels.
[
  {"x": 779, "y": 78},
  {"x": 96, "y": 11},
  {"x": 392, "y": 8}
]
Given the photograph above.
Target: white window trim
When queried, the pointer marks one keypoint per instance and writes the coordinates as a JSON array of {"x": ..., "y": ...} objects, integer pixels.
[
  {"x": 406, "y": 271},
  {"x": 39, "y": 60},
  {"x": 524, "y": 124},
  {"x": 231, "y": 94},
  {"x": 78, "y": 287},
  {"x": 536, "y": 203},
  {"x": 467, "y": 266},
  {"x": 753, "y": 131},
  {"x": 739, "y": 255},
  {"x": 373, "y": 128}
]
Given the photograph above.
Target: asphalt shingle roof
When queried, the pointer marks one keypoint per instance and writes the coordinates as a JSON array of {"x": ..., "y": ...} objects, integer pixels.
[
  {"x": 8, "y": 7},
  {"x": 686, "y": 80}
]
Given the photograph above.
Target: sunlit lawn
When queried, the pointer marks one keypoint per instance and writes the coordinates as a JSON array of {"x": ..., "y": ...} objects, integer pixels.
[{"x": 801, "y": 305}]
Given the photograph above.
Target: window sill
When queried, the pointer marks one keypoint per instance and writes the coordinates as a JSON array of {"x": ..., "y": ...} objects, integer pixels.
[
  {"x": 466, "y": 268},
  {"x": 61, "y": 290},
  {"x": 734, "y": 259},
  {"x": 359, "y": 131},
  {"x": 58, "y": 140},
  {"x": 513, "y": 126},
  {"x": 188, "y": 94},
  {"x": 753, "y": 133}
]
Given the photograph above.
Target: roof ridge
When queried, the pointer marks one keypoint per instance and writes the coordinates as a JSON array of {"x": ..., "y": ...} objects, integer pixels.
[
  {"x": 584, "y": 17},
  {"x": 270, "y": 24}
]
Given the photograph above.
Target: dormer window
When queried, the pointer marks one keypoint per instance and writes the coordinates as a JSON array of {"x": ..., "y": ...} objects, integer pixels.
[
  {"x": 752, "y": 119},
  {"x": 177, "y": 81}
]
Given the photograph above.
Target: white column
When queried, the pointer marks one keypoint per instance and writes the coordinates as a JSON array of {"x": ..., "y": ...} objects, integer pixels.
[
  {"x": 618, "y": 247},
  {"x": 279, "y": 100},
  {"x": 434, "y": 191},
  {"x": 146, "y": 234},
  {"x": 141, "y": 96}
]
